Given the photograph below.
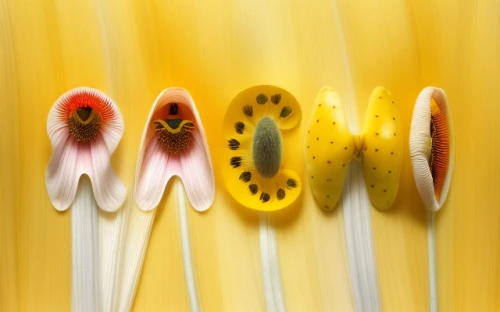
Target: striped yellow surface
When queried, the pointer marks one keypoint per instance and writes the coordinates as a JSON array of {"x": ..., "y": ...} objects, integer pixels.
[{"x": 133, "y": 49}]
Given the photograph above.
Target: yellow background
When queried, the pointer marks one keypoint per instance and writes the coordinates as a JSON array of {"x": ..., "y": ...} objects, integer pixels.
[{"x": 133, "y": 49}]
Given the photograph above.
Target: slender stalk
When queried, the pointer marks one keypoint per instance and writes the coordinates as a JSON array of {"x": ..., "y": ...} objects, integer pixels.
[
  {"x": 431, "y": 245},
  {"x": 359, "y": 241},
  {"x": 270, "y": 266},
  {"x": 85, "y": 249},
  {"x": 186, "y": 251}
]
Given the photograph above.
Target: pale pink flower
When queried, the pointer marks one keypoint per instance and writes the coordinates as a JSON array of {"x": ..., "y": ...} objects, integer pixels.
[
  {"x": 84, "y": 127},
  {"x": 174, "y": 143}
]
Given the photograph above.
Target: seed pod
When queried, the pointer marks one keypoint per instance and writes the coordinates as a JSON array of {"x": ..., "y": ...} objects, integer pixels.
[
  {"x": 432, "y": 147},
  {"x": 329, "y": 149},
  {"x": 382, "y": 151}
]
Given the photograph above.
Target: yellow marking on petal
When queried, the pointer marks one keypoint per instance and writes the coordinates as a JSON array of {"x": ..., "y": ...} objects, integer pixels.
[
  {"x": 176, "y": 130},
  {"x": 329, "y": 149},
  {"x": 382, "y": 151},
  {"x": 84, "y": 124},
  {"x": 84, "y": 116}
]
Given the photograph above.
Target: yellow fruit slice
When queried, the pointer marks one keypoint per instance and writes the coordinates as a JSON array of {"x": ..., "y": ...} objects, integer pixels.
[
  {"x": 329, "y": 149},
  {"x": 382, "y": 152}
]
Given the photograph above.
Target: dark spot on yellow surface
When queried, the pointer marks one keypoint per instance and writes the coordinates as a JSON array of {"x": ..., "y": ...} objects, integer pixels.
[
  {"x": 239, "y": 127},
  {"x": 246, "y": 176},
  {"x": 234, "y": 144},
  {"x": 248, "y": 110},
  {"x": 281, "y": 194},
  {"x": 261, "y": 99},
  {"x": 275, "y": 99},
  {"x": 285, "y": 111},
  {"x": 265, "y": 197},
  {"x": 253, "y": 188},
  {"x": 235, "y": 161},
  {"x": 291, "y": 183}
]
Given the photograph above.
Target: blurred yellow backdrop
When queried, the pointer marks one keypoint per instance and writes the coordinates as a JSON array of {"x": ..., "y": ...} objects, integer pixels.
[{"x": 133, "y": 49}]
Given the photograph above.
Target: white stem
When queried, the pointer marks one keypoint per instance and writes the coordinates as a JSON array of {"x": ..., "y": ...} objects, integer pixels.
[
  {"x": 186, "y": 251},
  {"x": 359, "y": 241},
  {"x": 85, "y": 246},
  {"x": 356, "y": 202},
  {"x": 431, "y": 245},
  {"x": 270, "y": 266}
]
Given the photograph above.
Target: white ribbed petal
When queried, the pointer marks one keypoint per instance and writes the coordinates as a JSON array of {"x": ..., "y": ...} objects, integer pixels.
[{"x": 420, "y": 146}]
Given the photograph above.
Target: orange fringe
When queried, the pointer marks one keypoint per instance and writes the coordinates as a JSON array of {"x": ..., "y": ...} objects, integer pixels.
[{"x": 440, "y": 148}]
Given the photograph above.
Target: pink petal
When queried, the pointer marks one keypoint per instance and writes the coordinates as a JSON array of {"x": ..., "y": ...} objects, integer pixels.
[
  {"x": 109, "y": 191},
  {"x": 71, "y": 159},
  {"x": 197, "y": 175},
  {"x": 154, "y": 176},
  {"x": 63, "y": 173},
  {"x": 155, "y": 167}
]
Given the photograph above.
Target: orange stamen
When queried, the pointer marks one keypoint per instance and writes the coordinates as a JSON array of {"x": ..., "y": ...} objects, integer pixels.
[{"x": 440, "y": 153}]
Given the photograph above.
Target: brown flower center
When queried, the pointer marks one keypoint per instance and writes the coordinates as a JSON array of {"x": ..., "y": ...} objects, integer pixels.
[
  {"x": 84, "y": 124},
  {"x": 174, "y": 135}
]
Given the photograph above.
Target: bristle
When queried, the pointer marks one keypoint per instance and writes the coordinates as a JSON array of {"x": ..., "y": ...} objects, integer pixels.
[
  {"x": 89, "y": 98},
  {"x": 175, "y": 142},
  {"x": 440, "y": 153},
  {"x": 84, "y": 124}
]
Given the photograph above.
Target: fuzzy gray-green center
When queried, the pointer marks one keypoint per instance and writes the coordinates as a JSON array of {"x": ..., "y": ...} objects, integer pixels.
[{"x": 267, "y": 148}]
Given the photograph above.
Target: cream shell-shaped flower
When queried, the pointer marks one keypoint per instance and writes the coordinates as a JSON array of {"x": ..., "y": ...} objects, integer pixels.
[
  {"x": 330, "y": 147},
  {"x": 432, "y": 147},
  {"x": 84, "y": 126},
  {"x": 174, "y": 143},
  {"x": 253, "y": 159}
]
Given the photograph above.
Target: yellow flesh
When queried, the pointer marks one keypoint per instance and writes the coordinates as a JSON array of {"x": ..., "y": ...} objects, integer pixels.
[
  {"x": 383, "y": 149},
  {"x": 237, "y": 187},
  {"x": 330, "y": 147}
]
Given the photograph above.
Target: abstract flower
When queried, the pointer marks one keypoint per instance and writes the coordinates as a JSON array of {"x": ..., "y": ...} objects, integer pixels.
[
  {"x": 330, "y": 147},
  {"x": 431, "y": 146},
  {"x": 252, "y": 157},
  {"x": 84, "y": 127},
  {"x": 174, "y": 143}
]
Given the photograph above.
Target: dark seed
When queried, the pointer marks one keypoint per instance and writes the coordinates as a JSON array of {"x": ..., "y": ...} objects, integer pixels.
[
  {"x": 246, "y": 176},
  {"x": 385, "y": 191},
  {"x": 239, "y": 127},
  {"x": 261, "y": 99},
  {"x": 275, "y": 99},
  {"x": 390, "y": 171},
  {"x": 233, "y": 144},
  {"x": 235, "y": 162},
  {"x": 285, "y": 111},
  {"x": 281, "y": 194},
  {"x": 291, "y": 183},
  {"x": 372, "y": 186},
  {"x": 253, "y": 188},
  {"x": 264, "y": 197},
  {"x": 248, "y": 110},
  {"x": 376, "y": 150}
]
